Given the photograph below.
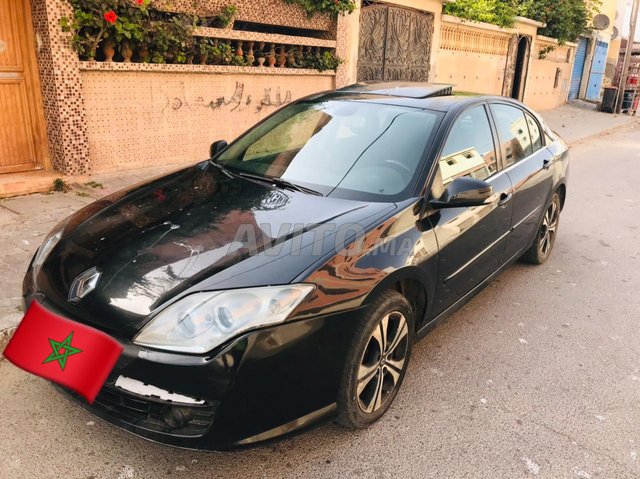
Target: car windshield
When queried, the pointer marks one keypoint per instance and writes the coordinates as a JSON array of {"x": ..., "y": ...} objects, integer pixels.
[{"x": 340, "y": 148}]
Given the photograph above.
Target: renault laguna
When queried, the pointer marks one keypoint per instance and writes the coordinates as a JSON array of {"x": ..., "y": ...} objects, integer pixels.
[{"x": 283, "y": 281}]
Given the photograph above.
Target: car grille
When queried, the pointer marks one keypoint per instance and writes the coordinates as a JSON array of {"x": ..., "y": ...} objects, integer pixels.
[{"x": 159, "y": 416}]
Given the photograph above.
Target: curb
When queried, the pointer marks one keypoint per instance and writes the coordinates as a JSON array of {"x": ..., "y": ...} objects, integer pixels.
[{"x": 5, "y": 336}]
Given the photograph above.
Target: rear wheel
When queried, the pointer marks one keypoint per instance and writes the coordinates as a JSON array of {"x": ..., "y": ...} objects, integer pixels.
[
  {"x": 376, "y": 362},
  {"x": 545, "y": 239}
]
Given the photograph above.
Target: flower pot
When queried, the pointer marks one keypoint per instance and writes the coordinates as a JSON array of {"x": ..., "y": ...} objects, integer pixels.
[
  {"x": 261, "y": 61},
  {"x": 126, "y": 51},
  {"x": 108, "y": 48},
  {"x": 272, "y": 60},
  {"x": 282, "y": 57}
]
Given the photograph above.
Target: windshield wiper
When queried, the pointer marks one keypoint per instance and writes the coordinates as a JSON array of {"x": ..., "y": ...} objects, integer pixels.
[
  {"x": 226, "y": 171},
  {"x": 281, "y": 183}
]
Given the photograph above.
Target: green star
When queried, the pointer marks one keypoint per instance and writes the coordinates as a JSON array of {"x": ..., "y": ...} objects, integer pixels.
[{"x": 61, "y": 351}]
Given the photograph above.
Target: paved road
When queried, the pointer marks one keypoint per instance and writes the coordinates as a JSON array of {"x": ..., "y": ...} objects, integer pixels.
[{"x": 538, "y": 376}]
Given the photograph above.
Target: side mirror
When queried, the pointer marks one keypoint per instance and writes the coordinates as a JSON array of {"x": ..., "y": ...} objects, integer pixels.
[
  {"x": 216, "y": 147},
  {"x": 464, "y": 192}
]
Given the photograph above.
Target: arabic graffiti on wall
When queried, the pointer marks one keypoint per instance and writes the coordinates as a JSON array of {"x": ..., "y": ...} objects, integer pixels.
[{"x": 238, "y": 101}]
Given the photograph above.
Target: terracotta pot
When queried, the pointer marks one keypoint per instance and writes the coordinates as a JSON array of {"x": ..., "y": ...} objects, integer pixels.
[
  {"x": 261, "y": 61},
  {"x": 126, "y": 51},
  {"x": 108, "y": 48},
  {"x": 272, "y": 60},
  {"x": 282, "y": 57}
]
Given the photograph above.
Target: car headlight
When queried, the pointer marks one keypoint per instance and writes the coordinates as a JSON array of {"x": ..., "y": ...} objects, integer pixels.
[
  {"x": 50, "y": 242},
  {"x": 201, "y": 321}
]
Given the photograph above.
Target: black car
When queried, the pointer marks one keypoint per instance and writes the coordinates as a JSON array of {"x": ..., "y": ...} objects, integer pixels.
[{"x": 283, "y": 281}]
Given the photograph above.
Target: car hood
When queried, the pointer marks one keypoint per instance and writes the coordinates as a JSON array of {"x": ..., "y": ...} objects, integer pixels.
[{"x": 155, "y": 241}]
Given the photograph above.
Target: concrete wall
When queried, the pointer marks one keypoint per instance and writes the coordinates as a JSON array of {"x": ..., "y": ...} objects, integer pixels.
[
  {"x": 151, "y": 117},
  {"x": 542, "y": 92},
  {"x": 472, "y": 56}
]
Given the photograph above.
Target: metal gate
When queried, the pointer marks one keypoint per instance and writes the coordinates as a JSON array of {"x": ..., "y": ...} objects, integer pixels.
[
  {"x": 578, "y": 67},
  {"x": 598, "y": 67},
  {"x": 395, "y": 44}
]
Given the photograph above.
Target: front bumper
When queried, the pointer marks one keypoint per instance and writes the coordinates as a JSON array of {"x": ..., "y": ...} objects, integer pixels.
[{"x": 262, "y": 385}]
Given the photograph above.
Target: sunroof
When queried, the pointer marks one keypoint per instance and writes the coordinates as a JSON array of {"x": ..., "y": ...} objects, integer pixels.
[{"x": 400, "y": 89}]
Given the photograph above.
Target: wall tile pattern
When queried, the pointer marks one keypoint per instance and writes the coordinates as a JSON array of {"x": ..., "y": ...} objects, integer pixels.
[{"x": 61, "y": 89}]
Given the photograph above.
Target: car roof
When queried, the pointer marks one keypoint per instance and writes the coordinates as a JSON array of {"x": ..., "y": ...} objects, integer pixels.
[{"x": 433, "y": 96}]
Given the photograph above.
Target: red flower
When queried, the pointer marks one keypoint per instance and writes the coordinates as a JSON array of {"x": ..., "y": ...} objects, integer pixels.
[
  {"x": 140, "y": 2},
  {"x": 110, "y": 17}
]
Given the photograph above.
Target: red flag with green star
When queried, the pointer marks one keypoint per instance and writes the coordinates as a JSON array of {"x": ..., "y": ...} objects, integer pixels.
[{"x": 68, "y": 353}]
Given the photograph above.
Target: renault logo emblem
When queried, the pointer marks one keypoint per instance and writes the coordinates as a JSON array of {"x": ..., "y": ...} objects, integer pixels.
[{"x": 84, "y": 284}]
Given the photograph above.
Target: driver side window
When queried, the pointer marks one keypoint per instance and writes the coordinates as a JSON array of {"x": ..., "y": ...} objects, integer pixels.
[{"x": 469, "y": 149}]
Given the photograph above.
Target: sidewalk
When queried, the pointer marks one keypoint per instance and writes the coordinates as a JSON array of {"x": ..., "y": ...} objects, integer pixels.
[
  {"x": 26, "y": 220},
  {"x": 579, "y": 120}
]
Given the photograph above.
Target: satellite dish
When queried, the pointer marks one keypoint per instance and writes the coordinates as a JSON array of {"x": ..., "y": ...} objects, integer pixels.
[
  {"x": 601, "y": 22},
  {"x": 615, "y": 33}
]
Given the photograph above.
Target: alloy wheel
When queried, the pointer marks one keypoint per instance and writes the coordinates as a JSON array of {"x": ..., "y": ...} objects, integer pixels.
[
  {"x": 549, "y": 228},
  {"x": 383, "y": 362}
]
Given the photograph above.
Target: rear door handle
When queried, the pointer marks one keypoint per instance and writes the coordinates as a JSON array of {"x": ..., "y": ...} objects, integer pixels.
[
  {"x": 546, "y": 163},
  {"x": 505, "y": 198}
]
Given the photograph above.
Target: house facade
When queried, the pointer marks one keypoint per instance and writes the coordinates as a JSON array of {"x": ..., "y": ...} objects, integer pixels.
[{"x": 73, "y": 115}]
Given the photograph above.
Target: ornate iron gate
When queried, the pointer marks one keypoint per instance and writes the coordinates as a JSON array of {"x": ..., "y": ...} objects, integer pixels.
[{"x": 395, "y": 44}]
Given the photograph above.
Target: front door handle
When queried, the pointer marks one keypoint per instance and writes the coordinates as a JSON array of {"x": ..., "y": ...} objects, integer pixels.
[
  {"x": 546, "y": 163},
  {"x": 505, "y": 198}
]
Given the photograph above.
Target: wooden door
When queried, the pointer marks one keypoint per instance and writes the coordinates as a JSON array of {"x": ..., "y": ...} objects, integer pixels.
[{"x": 22, "y": 145}]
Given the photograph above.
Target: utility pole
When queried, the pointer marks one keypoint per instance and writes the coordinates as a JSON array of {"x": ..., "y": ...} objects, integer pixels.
[{"x": 627, "y": 55}]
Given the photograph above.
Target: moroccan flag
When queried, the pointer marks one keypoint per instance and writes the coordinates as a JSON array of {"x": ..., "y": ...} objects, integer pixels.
[{"x": 63, "y": 351}]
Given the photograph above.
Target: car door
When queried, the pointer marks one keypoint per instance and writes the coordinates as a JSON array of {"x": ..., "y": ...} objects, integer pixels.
[
  {"x": 527, "y": 163},
  {"x": 470, "y": 240}
]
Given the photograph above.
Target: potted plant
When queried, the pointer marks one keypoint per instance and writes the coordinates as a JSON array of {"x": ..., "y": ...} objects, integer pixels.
[
  {"x": 92, "y": 23},
  {"x": 260, "y": 58},
  {"x": 205, "y": 50},
  {"x": 226, "y": 53}
]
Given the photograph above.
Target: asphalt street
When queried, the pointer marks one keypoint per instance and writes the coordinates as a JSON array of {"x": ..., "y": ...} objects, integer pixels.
[{"x": 538, "y": 376}]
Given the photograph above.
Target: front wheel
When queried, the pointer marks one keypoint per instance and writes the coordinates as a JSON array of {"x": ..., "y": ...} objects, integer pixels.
[
  {"x": 376, "y": 362},
  {"x": 546, "y": 237}
]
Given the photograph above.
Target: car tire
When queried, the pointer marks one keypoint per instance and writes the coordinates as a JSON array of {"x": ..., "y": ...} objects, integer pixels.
[
  {"x": 545, "y": 238},
  {"x": 377, "y": 361}
]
